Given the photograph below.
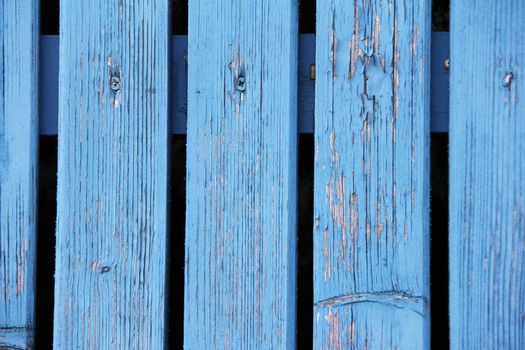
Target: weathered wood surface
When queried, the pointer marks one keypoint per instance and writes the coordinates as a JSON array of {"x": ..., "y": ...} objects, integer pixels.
[
  {"x": 487, "y": 175},
  {"x": 241, "y": 175},
  {"x": 371, "y": 191},
  {"x": 112, "y": 175},
  {"x": 18, "y": 170}
]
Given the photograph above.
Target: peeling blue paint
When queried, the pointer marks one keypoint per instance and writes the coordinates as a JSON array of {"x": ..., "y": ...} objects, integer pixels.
[
  {"x": 371, "y": 183},
  {"x": 19, "y": 23}
]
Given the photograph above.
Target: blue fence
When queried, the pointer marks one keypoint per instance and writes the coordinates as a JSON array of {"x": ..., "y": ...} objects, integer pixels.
[{"x": 371, "y": 86}]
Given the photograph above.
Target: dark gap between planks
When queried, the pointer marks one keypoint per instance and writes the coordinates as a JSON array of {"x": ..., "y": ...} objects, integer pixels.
[
  {"x": 177, "y": 207},
  {"x": 305, "y": 211},
  {"x": 45, "y": 258},
  {"x": 439, "y": 326},
  {"x": 176, "y": 241},
  {"x": 439, "y": 292},
  {"x": 47, "y": 192}
]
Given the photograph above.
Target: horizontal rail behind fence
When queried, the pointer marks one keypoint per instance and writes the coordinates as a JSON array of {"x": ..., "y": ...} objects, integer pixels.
[{"x": 306, "y": 85}]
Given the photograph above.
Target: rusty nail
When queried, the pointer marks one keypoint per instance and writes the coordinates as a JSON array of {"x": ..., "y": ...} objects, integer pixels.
[
  {"x": 105, "y": 269},
  {"x": 312, "y": 71}
]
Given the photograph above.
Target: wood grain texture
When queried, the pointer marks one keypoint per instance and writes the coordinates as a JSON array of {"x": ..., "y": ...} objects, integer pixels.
[
  {"x": 241, "y": 175},
  {"x": 112, "y": 175},
  {"x": 371, "y": 186},
  {"x": 487, "y": 175},
  {"x": 18, "y": 170}
]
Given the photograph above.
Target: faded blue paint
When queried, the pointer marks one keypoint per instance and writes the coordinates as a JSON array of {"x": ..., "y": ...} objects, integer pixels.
[
  {"x": 110, "y": 287},
  {"x": 371, "y": 183},
  {"x": 241, "y": 175},
  {"x": 487, "y": 175},
  {"x": 18, "y": 167},
  {"x": 179, "y": 81}
]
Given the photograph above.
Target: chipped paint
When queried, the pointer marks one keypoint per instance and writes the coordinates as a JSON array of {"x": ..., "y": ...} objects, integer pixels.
[
  {"x": 241, "y": 169},
  {"x": 371, "y": 174},
  {"x": 355, "y": 50},
  {"x": 335, "y": 156},
  {"x": 111, "y": 230}
]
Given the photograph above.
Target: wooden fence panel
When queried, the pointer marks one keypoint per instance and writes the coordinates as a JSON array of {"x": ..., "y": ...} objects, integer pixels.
[
  {"x": 487, "y": 175},
  {"x": 19, "y": 28},
  {"x": 112, "y": 175},
  {"x": 241, "y": 175},
  {"x": 371, "y": 192}
]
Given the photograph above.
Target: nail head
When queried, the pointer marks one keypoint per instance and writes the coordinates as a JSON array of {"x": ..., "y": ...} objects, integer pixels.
[
  {"x": 114, "y": 83},
  {"x": 507, "y": 80},
  {"x": 446, "y": 63}
]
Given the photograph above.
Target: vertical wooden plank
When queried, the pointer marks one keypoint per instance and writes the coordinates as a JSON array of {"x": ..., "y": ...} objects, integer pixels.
[
  {"x": 487, "y": 175},
  {"x": 371, "y": 228},
  {"x": 241, "y": 175},
  {"x": 19, "y": 30},
  {"x": 112, "y": 175}
]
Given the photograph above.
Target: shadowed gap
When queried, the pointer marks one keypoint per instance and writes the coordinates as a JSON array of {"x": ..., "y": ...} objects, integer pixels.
[
  {"x": 305, "y": 212},
  {"x": 179, "y": 23},
  {"x": 440, "y": 15},
  {"x": 307, "y": 16},
  {"x": 45, "y": 266},
  {"x": 49, "y": 22},
  {"x": 47, "y": 191},
  {"x": 305, "y": 208},
  {"x": 439, "y": 277},
  {"x": 439, "y": 241},
  {"x": 177, "y": 207},
  {"x": 176, "y": 238}
]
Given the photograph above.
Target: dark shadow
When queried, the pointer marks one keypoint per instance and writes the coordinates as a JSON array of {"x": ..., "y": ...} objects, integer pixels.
[
  {"x": 305, "y": 283},
  {"x": 439, "y": 292},
  {"x": 49, "y": 22},
  {"x": 439, "y": 241},
  {"x": 45, "y": 267},
  {"x": 177, "y": 205},
  {"x": 47, "y": 184},
  {"x": 307, "y": 16},
  {"x": 179, "y": 23},
  {"x": 440, "y": 15},
  {"x": 176, "y": 243}
]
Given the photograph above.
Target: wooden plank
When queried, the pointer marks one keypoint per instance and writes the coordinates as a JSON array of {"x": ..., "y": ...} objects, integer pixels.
[
  {"x": 112, "y": 175},
  {"x": 179, "y": 82},
  {"x": 19, "y": 27},
  {"x": 487, "y": 175},
  {"x": 371, "y": 186},
  {"x": 241, "y": 175}
]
